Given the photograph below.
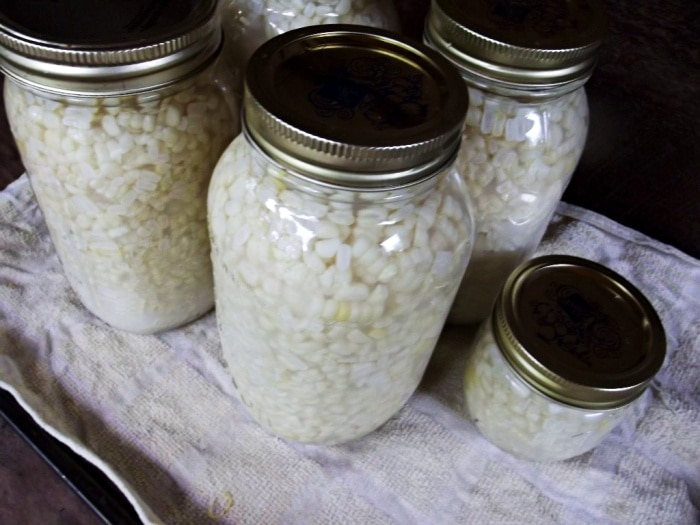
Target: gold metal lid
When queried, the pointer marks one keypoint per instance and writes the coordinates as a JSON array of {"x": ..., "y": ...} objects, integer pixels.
[
  {"x": 354, "y": 106},
  {"x": 84, "y": 47},
  {"x": 522, "y": 42},
  {"x": 578, "y": 332}
]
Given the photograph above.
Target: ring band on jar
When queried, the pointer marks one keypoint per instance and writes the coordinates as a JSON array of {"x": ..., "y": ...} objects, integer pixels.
[
  {"x": 570, "y": 348},
  {"x": 525, "y": 66},
  {"x": 119, "y": 140},
  {"x": 339, "y": 229}
]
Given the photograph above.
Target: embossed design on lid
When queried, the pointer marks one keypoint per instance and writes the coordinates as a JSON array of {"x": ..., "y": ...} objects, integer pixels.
[{"x": 578, "y": 332}]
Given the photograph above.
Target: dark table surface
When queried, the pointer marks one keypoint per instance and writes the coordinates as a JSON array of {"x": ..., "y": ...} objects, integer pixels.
[{"x": 641, "y": 167}]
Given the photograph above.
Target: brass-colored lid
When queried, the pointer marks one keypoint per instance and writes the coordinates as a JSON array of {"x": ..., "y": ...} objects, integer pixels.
[
  {"x": 87, "y": 47},
  {"x": 523, "y": 42},
  {"x": 354, "y": 106},
  {"x": 578, "y": 332}
]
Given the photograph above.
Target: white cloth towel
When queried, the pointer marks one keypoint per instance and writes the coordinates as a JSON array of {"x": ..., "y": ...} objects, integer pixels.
[{"x": 157, "y": 414}]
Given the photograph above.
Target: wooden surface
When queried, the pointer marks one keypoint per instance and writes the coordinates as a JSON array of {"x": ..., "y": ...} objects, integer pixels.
[{"x": 640, "y": 167}]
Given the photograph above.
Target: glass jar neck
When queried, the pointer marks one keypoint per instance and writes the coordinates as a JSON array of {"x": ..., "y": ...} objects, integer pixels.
[
  {"x": 210, "y": 73},
  {"x": 307, "y": 183},
  {"x": 524, "y": 92}
]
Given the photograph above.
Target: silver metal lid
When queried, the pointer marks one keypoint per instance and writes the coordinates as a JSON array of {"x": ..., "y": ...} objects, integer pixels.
[
  {"x": 84, "y": 47},
  {"x": 522, "y": 42},
  {"x": 578, "y": 332},
  {"x": 354, "y": 106}
]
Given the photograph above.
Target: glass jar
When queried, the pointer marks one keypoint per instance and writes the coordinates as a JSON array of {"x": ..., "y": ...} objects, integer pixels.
[
  {"x": 119, "y": 123},
  {"x": 339, "y": 229},
  {"x": 525, "y": 64},
  {"x": 569, "y": 349},
  {"x": 249, "y": 23}
]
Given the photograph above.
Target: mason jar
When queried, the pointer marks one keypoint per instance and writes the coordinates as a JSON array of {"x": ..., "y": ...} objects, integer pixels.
[
  {"x": 120, "y": 116},
  {"x": 525, "y": 65},
  {"x": 249, "y": 23},
  {"x": 568, "y": 351},
  {"x": 340, "y": 229}
]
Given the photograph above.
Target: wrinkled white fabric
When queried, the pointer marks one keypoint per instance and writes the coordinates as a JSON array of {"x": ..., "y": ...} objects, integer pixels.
[{"x": 157, "y": 413}]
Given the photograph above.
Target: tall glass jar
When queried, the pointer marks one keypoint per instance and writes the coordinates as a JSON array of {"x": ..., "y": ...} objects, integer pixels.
[
  {"x": 120, "y": 116},
  {"x": 569, "y": 349},
  {"x": 339, "y": 229},
  {"x": 525, "y": 64},
  {"x": 249, "y": 23}
]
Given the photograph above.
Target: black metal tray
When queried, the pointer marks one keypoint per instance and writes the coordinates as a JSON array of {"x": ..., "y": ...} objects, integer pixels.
[{"x": 86, "y": 480}]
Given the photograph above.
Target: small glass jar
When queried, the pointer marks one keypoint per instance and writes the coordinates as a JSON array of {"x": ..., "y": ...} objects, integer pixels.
[
  {"x": 120, "y": 117},
  {"x": 339, "y": 229},
  {"x": 569, "y": 349},
  {"x": 249, "y": 23},
  {"x": 525, "y": 64}
]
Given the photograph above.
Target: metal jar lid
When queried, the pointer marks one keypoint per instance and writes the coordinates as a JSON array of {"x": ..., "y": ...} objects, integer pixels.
[
  {"x": 520, "y": 42},
  {"x": 354, "y": 106},
  {"x": 88, "y": 47},
  {"x": 578, "y": 332}
]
